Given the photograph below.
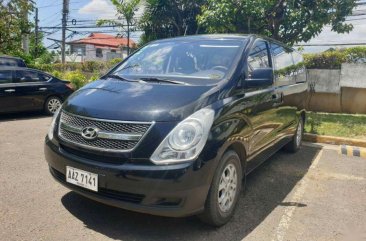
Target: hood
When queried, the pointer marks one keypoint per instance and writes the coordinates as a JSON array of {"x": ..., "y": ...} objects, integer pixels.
[{"x": 139, "y": 101}]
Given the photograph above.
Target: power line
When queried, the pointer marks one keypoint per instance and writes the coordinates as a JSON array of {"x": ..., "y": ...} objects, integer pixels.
[{"x": 330, "y": 44}]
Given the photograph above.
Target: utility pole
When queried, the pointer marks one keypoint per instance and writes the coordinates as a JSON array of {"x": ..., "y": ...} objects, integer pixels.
[
  {"x": 128, "y": 38},
  {"x": 25, "y": 34},
  {"x": 36, "y": 34},
  {"x": 65, "y": 12}
]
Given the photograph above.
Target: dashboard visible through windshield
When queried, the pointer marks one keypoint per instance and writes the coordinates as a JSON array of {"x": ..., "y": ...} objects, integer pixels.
[{"x": 194, "y": 62}]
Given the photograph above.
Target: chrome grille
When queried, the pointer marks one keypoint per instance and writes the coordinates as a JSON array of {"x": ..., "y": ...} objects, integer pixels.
[
  {"x": 117, "y": 136},
  {"x": 117, "y": 127}
]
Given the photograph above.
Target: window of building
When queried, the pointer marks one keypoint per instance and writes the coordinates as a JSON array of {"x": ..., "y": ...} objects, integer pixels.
[{"x": 99, "y": 53}]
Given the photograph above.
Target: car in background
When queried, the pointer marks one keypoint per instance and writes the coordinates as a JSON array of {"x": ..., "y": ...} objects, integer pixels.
[
  {"x": 24, "y": 89},
  {"x": 8, "y": 61}
]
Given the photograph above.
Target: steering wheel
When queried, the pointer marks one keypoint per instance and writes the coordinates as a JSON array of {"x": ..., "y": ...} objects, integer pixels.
[{"x": 220, "y": 67}]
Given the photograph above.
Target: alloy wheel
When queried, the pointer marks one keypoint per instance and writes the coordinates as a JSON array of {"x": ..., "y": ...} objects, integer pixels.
[
  {"x": 227, "y": 187},
  {"x": 53, "y": 104}
]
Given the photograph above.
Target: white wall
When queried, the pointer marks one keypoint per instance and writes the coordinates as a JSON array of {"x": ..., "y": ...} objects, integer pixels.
[
  {"x": 90, "y": 54},
  {"x": 353, "y": 75}
]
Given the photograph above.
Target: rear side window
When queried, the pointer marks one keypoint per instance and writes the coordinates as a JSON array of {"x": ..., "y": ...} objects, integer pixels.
[
  {"x": 299, "y": 68},
  {"x": 6, "y": 76},
  {"x": 26, "y": 76},
  {"x": 283, "y": 65},
  {"x": 258, "y": 56},
  {"x": 12, "y": 62}
]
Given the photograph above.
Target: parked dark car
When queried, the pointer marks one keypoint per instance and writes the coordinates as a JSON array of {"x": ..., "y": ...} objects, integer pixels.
[
  {"x": 9, "y": 61},
  {"x": 23, "y": 89},
  {"x": 175, "y": 128}
]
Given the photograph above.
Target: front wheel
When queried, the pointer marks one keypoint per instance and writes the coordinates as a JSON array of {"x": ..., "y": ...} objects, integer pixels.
[
  {"x": 52, "y": 104},
  {"x": 224, "y": 192}
]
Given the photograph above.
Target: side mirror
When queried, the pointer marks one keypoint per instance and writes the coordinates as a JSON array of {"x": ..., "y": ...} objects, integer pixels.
[{"x": 259, "y": 78}]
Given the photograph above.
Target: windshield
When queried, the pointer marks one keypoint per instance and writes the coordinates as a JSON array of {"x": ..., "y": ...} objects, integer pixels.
[{"x": 194, "y": 62}]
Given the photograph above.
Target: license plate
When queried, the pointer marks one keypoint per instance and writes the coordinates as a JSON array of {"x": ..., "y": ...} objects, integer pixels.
[{"x": 82, "y": 178}]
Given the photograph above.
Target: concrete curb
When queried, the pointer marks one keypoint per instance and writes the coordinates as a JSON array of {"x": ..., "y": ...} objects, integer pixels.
[{"x": 334, "y": 140}]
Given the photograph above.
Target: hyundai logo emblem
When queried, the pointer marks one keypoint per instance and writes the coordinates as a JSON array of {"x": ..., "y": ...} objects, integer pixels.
[{"x": 89, "y": 133}]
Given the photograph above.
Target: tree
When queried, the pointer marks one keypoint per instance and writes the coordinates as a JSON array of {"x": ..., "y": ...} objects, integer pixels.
[
  {"x": 125, "y": 10},
  {"x": 287, "y": 21},
  {"x": 13, "y": 24},
  {"x": 169, "y": 18}
]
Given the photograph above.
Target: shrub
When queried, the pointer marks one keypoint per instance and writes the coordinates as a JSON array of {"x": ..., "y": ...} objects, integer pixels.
[
  {"x": 77, "y": 78},
  {"x": 113, "y": 62},
  {"x": 325, "y": 60},
  {"x": 356, "y": 55},
  {"x": 95, "y": 76},
  {"x": 57, "y": 74},
  {"x": 335, "y": 58}
]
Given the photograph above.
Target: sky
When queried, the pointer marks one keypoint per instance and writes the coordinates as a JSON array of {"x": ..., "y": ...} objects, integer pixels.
[{"x": 85, "y": 12}]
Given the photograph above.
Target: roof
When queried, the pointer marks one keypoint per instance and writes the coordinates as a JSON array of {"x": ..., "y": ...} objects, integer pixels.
[
  {"x": 206, "y": 37},
  {"x": 19, "y": 68},
  {"x": 101, "y": 39},
  {"x": 10, "y": 57}
]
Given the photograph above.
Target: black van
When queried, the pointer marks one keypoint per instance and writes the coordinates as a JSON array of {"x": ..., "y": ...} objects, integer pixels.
[{"x": 174, "y": 129}]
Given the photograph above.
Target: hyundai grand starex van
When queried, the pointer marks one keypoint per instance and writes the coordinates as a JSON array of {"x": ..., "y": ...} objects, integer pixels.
[{"x": 175, "y": 128}]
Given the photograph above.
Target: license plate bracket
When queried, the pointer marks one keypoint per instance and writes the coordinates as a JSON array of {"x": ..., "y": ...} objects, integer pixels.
[{"x": 82, "y": 178}]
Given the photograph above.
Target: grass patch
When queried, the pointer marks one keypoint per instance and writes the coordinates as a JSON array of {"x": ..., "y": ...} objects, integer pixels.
[{"x": 342, "y": 125}]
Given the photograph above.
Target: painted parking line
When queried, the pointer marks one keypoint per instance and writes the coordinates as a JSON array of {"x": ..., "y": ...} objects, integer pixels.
[
  {"x": 299, "y": 192},
  {"x": 352, "y": 151}
]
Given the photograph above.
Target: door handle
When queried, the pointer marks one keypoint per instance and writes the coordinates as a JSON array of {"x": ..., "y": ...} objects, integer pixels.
[
  {"x": 9, "y": 90},
  {"x": 42, "y": 89}
]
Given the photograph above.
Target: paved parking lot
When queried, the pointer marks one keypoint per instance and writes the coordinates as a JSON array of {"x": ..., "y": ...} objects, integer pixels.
[{"x": 316, "y": 194}]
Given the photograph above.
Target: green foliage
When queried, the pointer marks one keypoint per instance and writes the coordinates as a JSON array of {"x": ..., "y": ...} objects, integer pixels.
[
  {"x": 13, "y": 25},
  {"x": 77, "y": 78},
  {"x": 87, "y": 66},
  {"x": 95, "y": 76},
  {"x": 287, "y": 21},
  {"x": 57, "y": 74},
  {"x": 126, "y": 9},
  {"x": 78, "y": 73},
  {"x": 325, "y": 60},
  {"x": 163, "y": 19},
  {"x": 113, "y": 62},
  {"x": 335, "y": 58}
]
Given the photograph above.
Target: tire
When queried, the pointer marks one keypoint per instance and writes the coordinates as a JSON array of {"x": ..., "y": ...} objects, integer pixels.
[
  {"x": 294, "y": 145},
  {"x": 218, "y": 213},
  {"x": 52, "y": 104}
]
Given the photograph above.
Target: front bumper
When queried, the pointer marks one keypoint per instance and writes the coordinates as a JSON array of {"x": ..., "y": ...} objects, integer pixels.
[{"x": 172, "y": 190}]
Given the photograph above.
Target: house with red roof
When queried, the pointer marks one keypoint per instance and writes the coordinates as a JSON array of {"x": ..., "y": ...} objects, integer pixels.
[{"x": 98, "y": 47}]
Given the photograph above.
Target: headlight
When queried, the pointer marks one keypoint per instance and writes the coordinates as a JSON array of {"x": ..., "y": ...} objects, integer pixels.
[
  {"x": 186, "y": 141},
  {"x": 53, "y": 123}
]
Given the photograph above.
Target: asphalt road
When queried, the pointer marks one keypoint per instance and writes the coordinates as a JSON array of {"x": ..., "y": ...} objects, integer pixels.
[{"x": 315, "y": 194}]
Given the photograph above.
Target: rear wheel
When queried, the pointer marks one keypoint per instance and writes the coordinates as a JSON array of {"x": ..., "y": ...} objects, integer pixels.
[
  {"x": 52, "y": 104},
  {"x": 224, "y": 192},
  {"x": 294, "y": 145}
]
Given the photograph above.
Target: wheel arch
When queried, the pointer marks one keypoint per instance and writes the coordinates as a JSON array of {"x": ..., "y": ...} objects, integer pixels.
[{"x": 239, "y": 148}]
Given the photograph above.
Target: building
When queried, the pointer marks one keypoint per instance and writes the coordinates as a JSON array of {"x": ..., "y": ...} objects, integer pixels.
[{"x": 98, "y": 47}]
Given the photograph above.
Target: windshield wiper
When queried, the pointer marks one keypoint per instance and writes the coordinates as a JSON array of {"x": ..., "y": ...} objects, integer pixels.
[
  {"x": 116, "y": 76},
  {"x": 162, "y": 80}
]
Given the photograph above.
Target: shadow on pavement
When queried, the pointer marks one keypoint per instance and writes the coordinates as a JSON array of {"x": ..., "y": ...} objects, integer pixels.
[
  {"x": 22, "y": 116},
  {"x": 266, "y": 189}
]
